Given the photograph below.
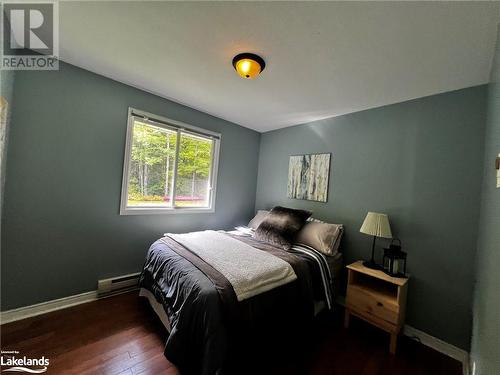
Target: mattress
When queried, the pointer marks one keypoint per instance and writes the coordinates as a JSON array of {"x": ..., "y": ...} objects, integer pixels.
[{"x": 157, "y": 307}]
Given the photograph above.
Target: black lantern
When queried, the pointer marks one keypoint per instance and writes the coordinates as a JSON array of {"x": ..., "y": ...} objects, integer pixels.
[{"x": 394, "y": 260}]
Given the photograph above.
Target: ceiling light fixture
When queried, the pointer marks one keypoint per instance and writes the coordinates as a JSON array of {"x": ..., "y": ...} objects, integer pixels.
[{"x": 248, "y": 65}]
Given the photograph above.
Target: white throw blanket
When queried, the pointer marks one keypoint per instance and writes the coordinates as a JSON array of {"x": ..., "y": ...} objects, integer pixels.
[{"x": 249, "y": 270}]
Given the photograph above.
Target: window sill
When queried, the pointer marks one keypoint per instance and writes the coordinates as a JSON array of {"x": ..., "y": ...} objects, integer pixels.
[{"x": 165, "y": 211}]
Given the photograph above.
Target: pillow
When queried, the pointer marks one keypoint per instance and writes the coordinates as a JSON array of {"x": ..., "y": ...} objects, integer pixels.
[
  {"x": 315, "y": 220},
  {"x": 281, "y": 225},
  {"x": 323, "y": 237},
  {"x": 255, "y": 222}
]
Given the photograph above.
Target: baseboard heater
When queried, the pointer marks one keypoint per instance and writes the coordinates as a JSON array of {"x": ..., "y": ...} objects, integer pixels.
[{"x": 116, "y": 285}]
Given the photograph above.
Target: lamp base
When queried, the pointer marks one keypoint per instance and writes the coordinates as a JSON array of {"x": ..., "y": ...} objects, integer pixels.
[{"x": 371, "y": 264}]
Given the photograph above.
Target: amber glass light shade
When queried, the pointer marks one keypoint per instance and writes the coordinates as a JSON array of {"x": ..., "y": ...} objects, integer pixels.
[{"x": 248, "y": 65}]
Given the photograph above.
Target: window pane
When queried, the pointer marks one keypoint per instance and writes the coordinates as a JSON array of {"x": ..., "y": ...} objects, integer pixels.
[
  {"x": 151, "y": 168},
  {"x": 193, "y": 171}
]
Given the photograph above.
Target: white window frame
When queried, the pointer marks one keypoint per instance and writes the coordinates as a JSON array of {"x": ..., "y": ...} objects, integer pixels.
[{"x": 166, "y": 123}]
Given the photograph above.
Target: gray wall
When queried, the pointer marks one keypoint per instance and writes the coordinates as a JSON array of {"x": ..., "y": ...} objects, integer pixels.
[
  {"x": 421, "y": 163},
  {"x": 485, "y": 351},
  {"x": 62, "y": 231},
  {"x": 6, "y": 89}
]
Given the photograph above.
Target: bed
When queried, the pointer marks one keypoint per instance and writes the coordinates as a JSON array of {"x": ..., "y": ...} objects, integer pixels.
[{"x": 209, "y": 310}]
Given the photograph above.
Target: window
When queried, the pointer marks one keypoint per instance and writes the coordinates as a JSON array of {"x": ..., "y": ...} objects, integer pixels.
[{"x": 169, "y": 166}]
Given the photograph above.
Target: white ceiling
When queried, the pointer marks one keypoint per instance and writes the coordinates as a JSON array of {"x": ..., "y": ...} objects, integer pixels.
[{"x": 323, "y": 58}]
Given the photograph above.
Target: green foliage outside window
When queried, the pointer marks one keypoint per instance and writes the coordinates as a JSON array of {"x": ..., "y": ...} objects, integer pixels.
[{"x": 152, "y": 167}]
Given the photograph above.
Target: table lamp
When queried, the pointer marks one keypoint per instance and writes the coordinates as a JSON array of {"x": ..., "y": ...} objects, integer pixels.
[{"x": 376, "y": 225}]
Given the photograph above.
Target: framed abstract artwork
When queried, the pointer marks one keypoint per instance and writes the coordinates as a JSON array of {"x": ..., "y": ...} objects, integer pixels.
[{"x": 308, "y": 177}]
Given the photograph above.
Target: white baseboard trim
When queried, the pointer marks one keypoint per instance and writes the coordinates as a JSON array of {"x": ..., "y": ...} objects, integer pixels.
[
  {"x": 56, "y": 304},
  {"x": 439, "y": 345},
  {"x": 432, "y": 342},
  {"x": 45, "y": 307}
]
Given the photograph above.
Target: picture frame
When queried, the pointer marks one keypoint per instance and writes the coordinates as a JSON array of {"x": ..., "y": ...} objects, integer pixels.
[{"x": 309, "y": 177}]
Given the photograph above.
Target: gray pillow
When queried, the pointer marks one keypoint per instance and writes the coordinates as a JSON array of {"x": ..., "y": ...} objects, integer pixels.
[
  {"x": 281, "y": 225},
  {"x": 255, "y": 222},
  {"x": 323, "y": 237}
]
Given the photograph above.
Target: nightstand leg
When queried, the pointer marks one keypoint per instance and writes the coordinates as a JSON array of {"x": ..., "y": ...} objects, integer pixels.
[
  {"x": 394, "y": 341},
  {"x": 347, "y": 318}
]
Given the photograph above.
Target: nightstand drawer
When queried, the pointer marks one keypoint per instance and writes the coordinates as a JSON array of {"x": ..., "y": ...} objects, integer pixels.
[{"x": 367, "y": 303}]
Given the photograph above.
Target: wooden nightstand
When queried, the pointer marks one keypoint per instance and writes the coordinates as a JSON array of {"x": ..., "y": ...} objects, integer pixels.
[{"x": 378, "y": 298}]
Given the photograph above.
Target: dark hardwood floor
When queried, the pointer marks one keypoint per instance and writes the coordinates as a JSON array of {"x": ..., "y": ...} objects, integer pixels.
[{"x": 121, "y": 335}]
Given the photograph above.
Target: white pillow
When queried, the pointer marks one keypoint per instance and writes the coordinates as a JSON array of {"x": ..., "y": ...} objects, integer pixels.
[{"x": 255, "y": 222}]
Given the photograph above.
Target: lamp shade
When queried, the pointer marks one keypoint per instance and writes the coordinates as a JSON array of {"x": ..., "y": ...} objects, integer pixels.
[{"x": 376, "y": 224}]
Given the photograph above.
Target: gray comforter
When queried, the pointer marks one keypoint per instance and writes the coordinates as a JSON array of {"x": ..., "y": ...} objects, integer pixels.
[{"x": 207, "y": 321}]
